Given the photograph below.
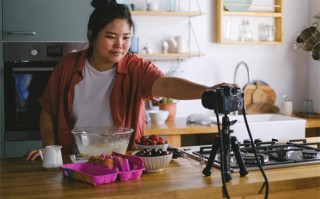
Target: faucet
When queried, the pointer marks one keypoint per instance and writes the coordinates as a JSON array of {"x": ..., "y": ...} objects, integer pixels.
[
  {"x": 235, "y": 76},
  {"x": 236, "y": 70}
]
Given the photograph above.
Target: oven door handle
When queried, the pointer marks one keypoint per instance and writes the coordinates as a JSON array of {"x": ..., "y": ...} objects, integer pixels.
[
  {"x": 22, "y": 33},
  {"x": 32, "y": 69}
]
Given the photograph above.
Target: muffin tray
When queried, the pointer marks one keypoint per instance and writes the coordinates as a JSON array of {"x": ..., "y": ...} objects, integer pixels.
[{"x": 132, "y": 168}]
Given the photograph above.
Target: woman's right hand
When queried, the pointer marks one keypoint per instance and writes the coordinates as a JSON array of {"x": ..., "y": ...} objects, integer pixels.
[{"x": 31, "y": 155}]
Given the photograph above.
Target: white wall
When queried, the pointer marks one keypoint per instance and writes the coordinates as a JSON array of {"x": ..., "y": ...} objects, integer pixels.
[
  {"x": 314, "y": 66},
  {"x": 286, "y": 70}
]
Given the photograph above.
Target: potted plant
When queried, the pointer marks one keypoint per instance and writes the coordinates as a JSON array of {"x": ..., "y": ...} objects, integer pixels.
[{"x": 170, "y": 105}]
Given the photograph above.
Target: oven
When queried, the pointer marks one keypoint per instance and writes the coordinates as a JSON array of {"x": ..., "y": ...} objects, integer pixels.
[{"x": 26, "y": 69}]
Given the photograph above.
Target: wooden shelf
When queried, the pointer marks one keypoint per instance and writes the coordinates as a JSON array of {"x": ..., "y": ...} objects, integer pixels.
[
  {"x": 252, "y": 14},
  {"x": 165, "y": 13},
  {"x": 276, "y": 14},
  {"x": 251, "y": 42}
]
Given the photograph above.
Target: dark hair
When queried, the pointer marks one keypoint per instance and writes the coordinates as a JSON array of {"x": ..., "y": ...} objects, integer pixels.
[{"x": 105, "y": 12}]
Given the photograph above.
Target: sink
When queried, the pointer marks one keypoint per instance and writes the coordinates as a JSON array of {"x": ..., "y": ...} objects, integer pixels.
[{"x": 267, "y": 126}]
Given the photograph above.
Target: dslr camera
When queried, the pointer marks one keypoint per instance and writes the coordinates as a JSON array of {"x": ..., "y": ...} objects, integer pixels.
[{"x": 224, "y": 99}]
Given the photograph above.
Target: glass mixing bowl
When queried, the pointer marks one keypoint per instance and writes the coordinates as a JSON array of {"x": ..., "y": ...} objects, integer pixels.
[{"x": 93, "y": 141}]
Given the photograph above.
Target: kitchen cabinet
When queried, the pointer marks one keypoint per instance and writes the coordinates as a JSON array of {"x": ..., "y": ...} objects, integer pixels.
[
  {"x": 256, "y": 13},
  {"x": 45, "y": 20},
  {"x": 188, "y": 14}
]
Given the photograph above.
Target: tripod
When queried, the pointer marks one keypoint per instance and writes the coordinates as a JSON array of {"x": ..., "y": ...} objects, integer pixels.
[{"x": 227, "y": 140}]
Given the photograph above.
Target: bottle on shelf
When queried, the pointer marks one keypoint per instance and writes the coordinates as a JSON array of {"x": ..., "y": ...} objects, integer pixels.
[{"x": 245, "y": 33}]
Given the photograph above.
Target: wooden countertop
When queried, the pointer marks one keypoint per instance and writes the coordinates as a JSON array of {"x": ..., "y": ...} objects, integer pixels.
[
  {"x": 179, "y": 126},
  {"x": 174, "y": 129},
  {"x": 181, "y": 179}
]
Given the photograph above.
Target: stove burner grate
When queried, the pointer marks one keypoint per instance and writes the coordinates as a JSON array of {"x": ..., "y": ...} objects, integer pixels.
[{"x": 271, "y": 154}]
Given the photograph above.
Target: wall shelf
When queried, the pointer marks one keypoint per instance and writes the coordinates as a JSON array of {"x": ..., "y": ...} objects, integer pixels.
[
  {"x": 187, "y": 14},
  {"x": 276, "y": 14}
]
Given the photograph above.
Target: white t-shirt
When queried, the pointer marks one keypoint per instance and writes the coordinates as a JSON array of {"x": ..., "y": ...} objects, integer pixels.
[{"x": 91, "y": 104}]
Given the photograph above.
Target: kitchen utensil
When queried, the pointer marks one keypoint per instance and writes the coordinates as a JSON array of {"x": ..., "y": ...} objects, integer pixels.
[
  {"x": 93, "y": 141},
  {"x": 52, "y": 157},
  {"x": 259, "y": 97},
  {"x": 308, "y": 38},
  {"x": 316, "y": 51},
  {"x": 250, "y": 87}
]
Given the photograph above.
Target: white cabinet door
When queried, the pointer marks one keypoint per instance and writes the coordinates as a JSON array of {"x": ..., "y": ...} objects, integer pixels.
[{"x": 45, "y": 20}]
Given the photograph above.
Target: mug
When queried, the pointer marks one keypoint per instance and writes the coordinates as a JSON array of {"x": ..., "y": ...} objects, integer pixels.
[
  {"x": 52, "y": 158},
  {"x": 182, "y": 44}
]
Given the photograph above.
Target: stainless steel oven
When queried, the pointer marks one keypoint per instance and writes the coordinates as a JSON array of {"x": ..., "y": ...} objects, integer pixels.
[{"x": 26, "y": 69}]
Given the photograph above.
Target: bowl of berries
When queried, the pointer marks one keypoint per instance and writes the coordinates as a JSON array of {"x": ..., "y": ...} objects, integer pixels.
[
  {"x": 152, "y": 142},
  {"x": 154, "y": 160}
]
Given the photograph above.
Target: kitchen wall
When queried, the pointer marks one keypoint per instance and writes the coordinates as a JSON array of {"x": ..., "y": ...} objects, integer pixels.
[
  {"x": 287, "y": 71},
  {"x": 1, "y": 91},
  {"x": 314, "y": 66}
]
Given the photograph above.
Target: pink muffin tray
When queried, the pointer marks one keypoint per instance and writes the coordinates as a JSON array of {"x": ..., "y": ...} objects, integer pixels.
[{"x": 131, "y": 168}]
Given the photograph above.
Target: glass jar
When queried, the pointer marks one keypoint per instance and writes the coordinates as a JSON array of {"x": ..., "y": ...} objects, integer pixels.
[
  {"x": 245, "y": 33},
  {"x": 173, "y": 5}
]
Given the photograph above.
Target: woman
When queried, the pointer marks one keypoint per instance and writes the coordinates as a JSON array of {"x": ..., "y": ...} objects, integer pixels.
[{"x": 104, "y": 85}]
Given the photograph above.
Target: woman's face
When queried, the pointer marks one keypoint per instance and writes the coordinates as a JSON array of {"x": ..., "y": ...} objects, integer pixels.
[{"x": 112, "y": 42}]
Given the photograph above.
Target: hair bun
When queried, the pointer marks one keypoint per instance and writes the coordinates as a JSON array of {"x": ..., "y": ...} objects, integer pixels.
[{"x": 102, "y": 3}]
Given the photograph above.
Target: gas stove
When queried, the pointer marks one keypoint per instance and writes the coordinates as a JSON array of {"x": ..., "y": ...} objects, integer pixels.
[{"x": 272, "y": 154}]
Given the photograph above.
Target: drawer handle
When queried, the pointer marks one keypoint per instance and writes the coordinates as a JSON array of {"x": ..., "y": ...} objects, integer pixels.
[{"x": 22, "y": 33}]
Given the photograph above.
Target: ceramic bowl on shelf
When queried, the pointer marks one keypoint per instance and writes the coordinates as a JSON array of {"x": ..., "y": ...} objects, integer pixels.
[{"x": 231, "y": 5}]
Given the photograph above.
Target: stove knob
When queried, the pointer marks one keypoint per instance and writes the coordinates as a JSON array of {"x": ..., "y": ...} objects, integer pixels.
[
  {"x": 34, "y": 52},
  {"x": 246, "y": 142}
]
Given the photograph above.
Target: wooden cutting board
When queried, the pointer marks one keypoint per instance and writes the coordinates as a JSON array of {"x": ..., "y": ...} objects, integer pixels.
[{"x": 259, "y": 98}]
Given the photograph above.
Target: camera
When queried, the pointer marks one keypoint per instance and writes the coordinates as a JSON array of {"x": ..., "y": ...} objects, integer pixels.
[{"x": 225, "y": 99}]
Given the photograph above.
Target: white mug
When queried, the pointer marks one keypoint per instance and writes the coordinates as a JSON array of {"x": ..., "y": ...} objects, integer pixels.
[
  {"x": 52, "y": 158},
  {"x": 182, "y": 44}
]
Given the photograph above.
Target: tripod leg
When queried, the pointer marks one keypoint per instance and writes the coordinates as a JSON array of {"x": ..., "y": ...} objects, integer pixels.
[
  {"x": 225, "y": 159},
  {"x": 215, "y": 146},
  {"x": 236, "y": 149}
]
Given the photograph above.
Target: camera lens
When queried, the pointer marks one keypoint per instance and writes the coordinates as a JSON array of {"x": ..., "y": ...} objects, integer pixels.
[
  {"x": 230, "y": 90},
  {"x": 208, "y": 99}
]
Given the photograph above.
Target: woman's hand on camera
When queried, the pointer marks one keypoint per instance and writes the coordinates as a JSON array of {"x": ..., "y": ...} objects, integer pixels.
[
  {"x": 223, "y": 84},
  {"x": 31, "y": 155}
]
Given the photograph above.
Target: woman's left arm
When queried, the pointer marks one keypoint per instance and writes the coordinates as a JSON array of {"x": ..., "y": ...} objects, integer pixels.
[{"x": 178, "y": 88}]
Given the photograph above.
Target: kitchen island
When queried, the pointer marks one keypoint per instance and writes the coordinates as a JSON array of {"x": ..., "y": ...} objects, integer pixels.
[
  {"x": 182, "y": 178},
  {"x": 178, "y": 127}
]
